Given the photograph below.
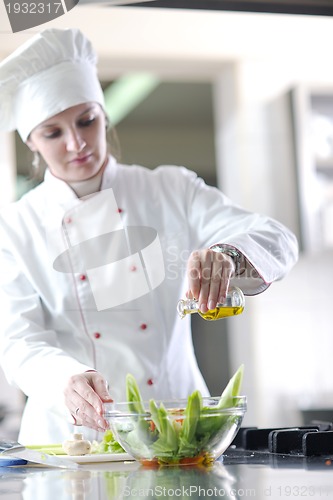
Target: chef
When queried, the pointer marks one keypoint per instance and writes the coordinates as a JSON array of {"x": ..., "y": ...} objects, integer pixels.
[{"x": 94, "y": 259}]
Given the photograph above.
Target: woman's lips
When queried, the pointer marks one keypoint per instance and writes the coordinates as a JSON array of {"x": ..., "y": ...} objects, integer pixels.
[{"x": 81, "y": 159}]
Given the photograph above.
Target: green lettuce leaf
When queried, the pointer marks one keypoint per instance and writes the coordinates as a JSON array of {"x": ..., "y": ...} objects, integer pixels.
[{"x": 109, "y": 444}]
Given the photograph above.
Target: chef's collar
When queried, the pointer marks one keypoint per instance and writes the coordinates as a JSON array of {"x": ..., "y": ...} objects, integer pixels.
[
  {"x": 61, "y": 193},
  {"x": 88, "y": 186}
]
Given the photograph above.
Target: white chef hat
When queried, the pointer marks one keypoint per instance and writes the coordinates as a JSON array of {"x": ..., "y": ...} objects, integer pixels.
[{"x": 53, "y": 71}]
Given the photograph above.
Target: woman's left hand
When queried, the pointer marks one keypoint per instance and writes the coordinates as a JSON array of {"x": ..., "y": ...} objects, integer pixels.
[
  {"x": 84, "y": 397},
  {"x": 209, "y": 274}
]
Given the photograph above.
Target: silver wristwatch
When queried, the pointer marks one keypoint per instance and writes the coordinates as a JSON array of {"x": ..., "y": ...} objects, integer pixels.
[{"x": 232, "y": 252}]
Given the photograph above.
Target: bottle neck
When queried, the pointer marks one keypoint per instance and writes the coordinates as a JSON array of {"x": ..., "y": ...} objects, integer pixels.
[{"x": 187, "y": 306}]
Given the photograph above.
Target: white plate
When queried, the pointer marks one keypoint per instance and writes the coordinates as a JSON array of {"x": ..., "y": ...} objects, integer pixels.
[{"x": 96, "y": 458}]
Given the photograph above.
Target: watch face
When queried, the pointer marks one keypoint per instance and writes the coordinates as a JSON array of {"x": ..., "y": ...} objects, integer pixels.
[
  {"x": 232, "y": 252},
  {"x": 226, "y": 249}
]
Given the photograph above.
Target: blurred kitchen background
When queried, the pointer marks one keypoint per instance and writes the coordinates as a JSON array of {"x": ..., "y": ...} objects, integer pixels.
[{"x": 246, "y": 100}]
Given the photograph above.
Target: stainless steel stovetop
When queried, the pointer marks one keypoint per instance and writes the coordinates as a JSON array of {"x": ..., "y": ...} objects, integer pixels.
[{"x": 240, "y": 474}]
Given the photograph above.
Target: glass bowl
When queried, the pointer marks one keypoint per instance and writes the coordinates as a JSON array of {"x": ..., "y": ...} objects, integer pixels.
[{"x": 173, "y": 435}]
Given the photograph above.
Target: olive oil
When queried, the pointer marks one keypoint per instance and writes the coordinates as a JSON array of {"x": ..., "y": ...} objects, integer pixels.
[
  {"x": 232, "y": 306},
  {"x": 218, "y": 312}
]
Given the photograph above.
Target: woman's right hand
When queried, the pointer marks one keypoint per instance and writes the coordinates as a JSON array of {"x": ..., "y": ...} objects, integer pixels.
[
  {"x": 209, "y": 273},
  {"x": 84, "y": 397}
]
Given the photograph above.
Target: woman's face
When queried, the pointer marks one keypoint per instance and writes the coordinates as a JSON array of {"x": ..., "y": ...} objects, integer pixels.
[{"x": 73, "y": 142}]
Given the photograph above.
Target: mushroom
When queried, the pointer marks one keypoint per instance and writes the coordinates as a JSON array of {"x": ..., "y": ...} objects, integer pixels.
[{"x": 77, "y": 445}]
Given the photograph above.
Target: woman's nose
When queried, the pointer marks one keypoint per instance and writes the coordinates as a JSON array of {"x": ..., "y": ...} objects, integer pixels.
[{"x": 75, "y": 142}]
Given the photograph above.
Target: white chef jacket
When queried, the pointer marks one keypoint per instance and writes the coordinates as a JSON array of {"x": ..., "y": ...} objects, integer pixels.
[{"x": 65, "y": 271}]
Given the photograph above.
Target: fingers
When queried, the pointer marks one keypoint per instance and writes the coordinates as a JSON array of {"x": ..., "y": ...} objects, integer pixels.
[
  {"x": 209, "y": 276},
  {"x": 84, "y": 397},
  {"x": 194, "y": 275},
  {"x": 206, "y": 283},
  {"x": 99, "y": 385}
]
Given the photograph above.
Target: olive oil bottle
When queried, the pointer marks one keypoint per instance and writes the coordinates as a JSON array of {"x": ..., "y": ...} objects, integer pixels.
[{"x": 233, "y": 305}]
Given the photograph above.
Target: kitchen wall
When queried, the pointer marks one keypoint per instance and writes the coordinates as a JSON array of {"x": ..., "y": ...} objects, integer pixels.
[
  {"x": 285, "y": 337},
  {"x": 252, "y": 61}
]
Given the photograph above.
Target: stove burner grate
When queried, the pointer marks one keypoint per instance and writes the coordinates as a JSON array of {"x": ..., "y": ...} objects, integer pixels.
[{"x": 316, "y": 439}]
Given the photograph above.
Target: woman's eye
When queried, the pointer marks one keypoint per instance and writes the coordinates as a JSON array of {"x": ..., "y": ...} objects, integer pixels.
[
  {"x": 87, "y": 121},
  {"x": 52, "y": 135}
]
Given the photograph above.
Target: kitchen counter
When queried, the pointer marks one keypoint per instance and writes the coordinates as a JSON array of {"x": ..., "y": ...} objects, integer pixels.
[{"x": 239, "y": 475}]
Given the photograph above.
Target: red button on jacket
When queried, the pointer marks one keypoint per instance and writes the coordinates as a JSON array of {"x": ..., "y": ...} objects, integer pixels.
[{"x": 97, "y": 335}]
